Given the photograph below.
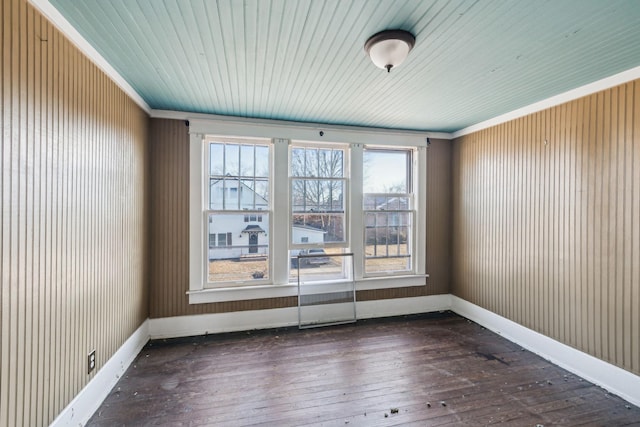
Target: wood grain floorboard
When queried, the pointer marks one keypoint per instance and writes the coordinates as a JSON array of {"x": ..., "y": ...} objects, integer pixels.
[{"x": 436, "y": 370}]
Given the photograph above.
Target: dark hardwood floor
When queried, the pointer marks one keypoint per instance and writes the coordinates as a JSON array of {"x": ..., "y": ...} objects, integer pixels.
[{"x": 428, "y": 370}]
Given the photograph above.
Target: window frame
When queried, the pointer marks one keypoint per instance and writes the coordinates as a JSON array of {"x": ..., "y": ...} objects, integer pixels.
[
  {"x": 345, "y": 148},
  {"x": 411, "y": 211},
  {"x": 237, "y": 210},
  {"x": 281, "y": 135}
]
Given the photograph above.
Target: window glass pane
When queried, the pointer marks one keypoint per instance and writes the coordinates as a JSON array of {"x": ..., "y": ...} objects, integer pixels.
[
  {"x": 262, "y": 161},
  {"x": 238, "y": 242},
  {"x": 216, "y": 193},
  {"x": 386, "y": 171},
  {"x": 387, "y": 242},
  {"x": 388, "y": 206},
  {"x": 311, "y": 162},
  {"x": 242, "y": 250},
  {"x": 297, "y": 162},
  {"x": 369, "y": 202},
  {"x": 229, "y": 191},
  {"x": 319, "y": 264},
  {"x": 247, "y": 194},
  {"x": 336, "y": 196},
  {"x": 338, "y": 163},
  {"x": 317, "y": 201},
  {"x": 391, "y": 203},
  {"x": 326, "y": 167},
  {"x": 262, "y": 193},
  {"x": 318, "y": 228},
  {"x": 232, "y": 153},
  {"x": 216, "y": 159},
  {"x": 246, "y": 160},
  {"x": 314, "y": 195}
]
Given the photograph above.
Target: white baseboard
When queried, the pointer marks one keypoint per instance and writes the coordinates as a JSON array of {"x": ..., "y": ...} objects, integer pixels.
[
  {"x": 83, "y": 406},
  {"x": 184, "y": 326},
  {"x": 173, "y": 327},
  {"x": 402, "y": 306},
  {"x": 611, "y": 378}
]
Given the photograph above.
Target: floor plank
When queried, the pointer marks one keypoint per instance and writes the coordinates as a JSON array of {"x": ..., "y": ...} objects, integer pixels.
[{"x": 435, "y": 370}]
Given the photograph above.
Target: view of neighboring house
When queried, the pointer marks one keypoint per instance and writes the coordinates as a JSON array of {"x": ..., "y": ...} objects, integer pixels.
[
  {"x": 307, "y": 234},
  {"x": 388, "y": 219},
  {"x": 237, "y": 235}
]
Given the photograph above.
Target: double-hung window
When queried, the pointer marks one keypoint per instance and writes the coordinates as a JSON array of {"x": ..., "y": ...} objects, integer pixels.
[
  {"x": 238, "y": 188},
  {"x": 389, "y": 211},
  {"x": 318, "y": 188}
]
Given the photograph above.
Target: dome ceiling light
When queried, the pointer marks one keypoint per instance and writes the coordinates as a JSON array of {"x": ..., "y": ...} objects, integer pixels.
[{"x": 388, "y": 49}]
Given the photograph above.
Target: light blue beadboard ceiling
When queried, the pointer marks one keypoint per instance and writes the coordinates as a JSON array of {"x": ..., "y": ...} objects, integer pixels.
[{"x": 304, "y": 60}]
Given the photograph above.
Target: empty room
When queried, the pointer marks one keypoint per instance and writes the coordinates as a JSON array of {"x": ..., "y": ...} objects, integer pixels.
[{"x": 320, "y": 212}]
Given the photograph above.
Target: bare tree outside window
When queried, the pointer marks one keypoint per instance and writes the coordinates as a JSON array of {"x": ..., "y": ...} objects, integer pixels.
[{"x": 317, "y": 190}]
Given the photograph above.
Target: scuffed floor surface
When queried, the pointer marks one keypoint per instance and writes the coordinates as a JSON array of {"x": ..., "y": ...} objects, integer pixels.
[{"x": 428, "y": 370}]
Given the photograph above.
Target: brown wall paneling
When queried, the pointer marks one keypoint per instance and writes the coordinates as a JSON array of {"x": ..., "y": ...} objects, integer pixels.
[
  {"x": 73, "y": 218},
  {"x": 169, "y": 228},
  {"x": 438, "y": 217},
  {"x": 546, "y": 212}
]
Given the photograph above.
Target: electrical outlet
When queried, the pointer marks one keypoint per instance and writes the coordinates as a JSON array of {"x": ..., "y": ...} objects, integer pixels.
[{"x": 91, "y": 361}]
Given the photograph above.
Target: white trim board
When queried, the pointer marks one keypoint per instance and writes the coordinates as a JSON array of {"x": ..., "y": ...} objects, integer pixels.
[
  {"x": 610, "y": 377},
  {"x": 236, "y": 126},
  {"x": 173, "y": 327},
  {"x": 84, "y": 405}
]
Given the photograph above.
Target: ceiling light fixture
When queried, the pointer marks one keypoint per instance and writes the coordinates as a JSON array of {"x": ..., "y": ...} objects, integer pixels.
[{"x": 389, "y": 48}]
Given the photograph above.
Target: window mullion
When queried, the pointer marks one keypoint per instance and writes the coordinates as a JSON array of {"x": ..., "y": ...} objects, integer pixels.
[
  {"x": 239, "y": 179},
  {"x": 419, "y": 206},
  {"x": 280, "y": 205},
  {"x": 355, "y": 214},
  {"x": 197, "y": 196},
  {"x": 255, "y": 184}
]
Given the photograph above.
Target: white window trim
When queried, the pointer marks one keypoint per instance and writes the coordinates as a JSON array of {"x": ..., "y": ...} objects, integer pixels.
[
  {"x": 206, "y": 202},
  {"x": 281, "y": 134},
  {"x": 418, "y": 253}
]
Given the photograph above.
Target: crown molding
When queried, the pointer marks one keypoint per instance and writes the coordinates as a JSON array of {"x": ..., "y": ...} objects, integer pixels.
[
  {"x": 573, "y": 94},
  {"x": 61, "y": 23}
]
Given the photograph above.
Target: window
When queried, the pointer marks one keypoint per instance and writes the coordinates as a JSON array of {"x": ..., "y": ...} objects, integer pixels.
[
  {"x": 318, "y": 185},
  {"x": 318, "y": 194},
  {"x": 253, "y": 218},
  {"x": 388, "y": 211},
  {"x": 238, "y": 183},
  {"x": 224, "y": 239}
]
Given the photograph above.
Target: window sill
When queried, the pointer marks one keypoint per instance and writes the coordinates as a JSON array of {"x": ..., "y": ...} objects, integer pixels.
[{"x": 291, "y": 289}]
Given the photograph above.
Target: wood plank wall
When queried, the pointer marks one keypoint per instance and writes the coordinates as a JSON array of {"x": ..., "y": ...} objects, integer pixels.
[
  {"x": 72, "y": 230},
  {"x": 169, "y": 233},
  {"x": 439, "y": 216},
  {"x": 546, "y": 222}
]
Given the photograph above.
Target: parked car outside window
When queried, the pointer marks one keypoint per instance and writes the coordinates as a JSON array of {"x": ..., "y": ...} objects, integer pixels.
[{"x": 317, "y": 259}]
